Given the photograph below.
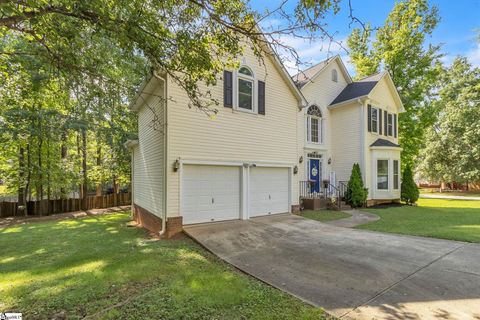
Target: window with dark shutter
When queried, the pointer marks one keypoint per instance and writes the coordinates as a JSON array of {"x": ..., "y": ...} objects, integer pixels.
[
  {"x": 380, "y": 111},
  {"x": 385, "y": 123},
  {"x": 261, "y": 97},
  {"x": 227, "y": 89},
  {"x": 395, "y": 125},
  {"x": 369, "y": 118}
]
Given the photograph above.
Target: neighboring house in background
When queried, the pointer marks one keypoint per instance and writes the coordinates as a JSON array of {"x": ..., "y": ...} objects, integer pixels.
[
  {"x": 252, "y": 158},
  {"x": 349, "y": 122}
]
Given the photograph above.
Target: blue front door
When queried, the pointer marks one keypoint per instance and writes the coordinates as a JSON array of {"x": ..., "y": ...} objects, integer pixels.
[{"x": 314, "y": 174}]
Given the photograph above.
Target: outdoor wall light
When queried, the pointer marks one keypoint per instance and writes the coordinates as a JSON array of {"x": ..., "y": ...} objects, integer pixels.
[
  {"x": 329, "y": 160},
  {"x": 300, "y": 160},
  {"x": 295, "y": 170},
  {"x": 176, "y": 165}
]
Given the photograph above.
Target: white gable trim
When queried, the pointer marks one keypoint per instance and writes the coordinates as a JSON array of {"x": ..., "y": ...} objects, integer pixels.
[{"x": 331, "y": 60}]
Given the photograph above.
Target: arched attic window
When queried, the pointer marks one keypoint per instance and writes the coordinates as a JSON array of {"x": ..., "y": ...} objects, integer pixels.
[
  {"x": 334, "y": 75},
  {"x": 245, "y": 88},
  {"x": 314, "y": 125}
]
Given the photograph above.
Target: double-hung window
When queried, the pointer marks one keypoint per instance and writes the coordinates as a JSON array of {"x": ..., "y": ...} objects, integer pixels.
[
  {"x": 374, "y": 120},
  {"x": 396, "y": 174},
  {"x": 314, "y": 125},
  {"x": 245, "y": 88},
  {"x": 382, "y": 174},
  {"x": 390, "y": 124}
]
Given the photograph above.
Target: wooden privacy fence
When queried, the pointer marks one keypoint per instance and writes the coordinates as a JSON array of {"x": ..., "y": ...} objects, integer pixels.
[{"x": 47, "y": 207}]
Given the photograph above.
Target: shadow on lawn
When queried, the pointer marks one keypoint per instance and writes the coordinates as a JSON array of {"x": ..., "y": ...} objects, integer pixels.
[{"x": 84, "y": 265}]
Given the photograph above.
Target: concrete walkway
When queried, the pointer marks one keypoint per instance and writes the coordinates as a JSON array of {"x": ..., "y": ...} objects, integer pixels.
[
  {"x": 356, "y": 218},
  {"x": 352, "y": 273},
  {"x": 448, "y": 197}
]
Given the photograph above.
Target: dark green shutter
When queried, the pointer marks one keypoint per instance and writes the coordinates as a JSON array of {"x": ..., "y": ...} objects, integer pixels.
[
  {"x": 395, "y": 125},
  {"x": 380, "y": 116},
  {"x": 369, "y": 118},
  {"x": 261, "y": 97},
  {"x": 227, "y": 89},
  {"x": 385, "y": 122}
]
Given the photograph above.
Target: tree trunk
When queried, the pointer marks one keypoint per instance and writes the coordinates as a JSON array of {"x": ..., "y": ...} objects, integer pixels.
[
  {"x": 84, "y": 169},
  {"x": 115, "y": 190},
  {"x": 99, "y": 163},
  {"x": 63, "y": 155},
  {"x": 21, "y": 180}
]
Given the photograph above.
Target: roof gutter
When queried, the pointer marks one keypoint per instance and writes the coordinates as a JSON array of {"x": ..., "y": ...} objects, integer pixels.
[{"x": 339, "y": 104}]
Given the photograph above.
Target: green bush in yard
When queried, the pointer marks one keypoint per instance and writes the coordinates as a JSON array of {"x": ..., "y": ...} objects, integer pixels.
[
  {"x": 409, "y": 190},
  {"x": 356, "y": 194}
]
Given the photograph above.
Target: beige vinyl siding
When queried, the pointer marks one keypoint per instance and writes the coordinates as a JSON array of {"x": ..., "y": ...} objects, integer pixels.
[
  {"x": 234, "y": 135},
  {"x": 346, "y": 139},
  {"x": 148, "y": 167},
  {"x": 321, "y": 91},
  {"x": 381, "y": 97}
]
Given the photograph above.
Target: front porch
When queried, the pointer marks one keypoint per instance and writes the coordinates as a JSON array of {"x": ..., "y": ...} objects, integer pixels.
[{"x": 316, "y": 195}]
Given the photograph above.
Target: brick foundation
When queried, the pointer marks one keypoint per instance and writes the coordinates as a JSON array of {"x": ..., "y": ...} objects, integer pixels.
[
  {"x": 174, "y": 226},
  {"x": 314, "y": 204},
  {"x": 295, "y": 208},
  {"x": 153, "y": 223}
]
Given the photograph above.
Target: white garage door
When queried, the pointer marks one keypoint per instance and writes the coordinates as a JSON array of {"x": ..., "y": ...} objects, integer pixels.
[
  {"x": 269, "y": 191},
  {"x": 210, "y": 193}
]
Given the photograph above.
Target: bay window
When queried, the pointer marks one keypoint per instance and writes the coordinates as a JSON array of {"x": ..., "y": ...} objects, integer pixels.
[
  {"x": 382, "y": 174},
  {"x": 396, "y": 174}
]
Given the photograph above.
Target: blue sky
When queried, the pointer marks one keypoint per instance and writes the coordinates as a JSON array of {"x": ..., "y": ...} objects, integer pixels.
[{"x": 456, "y": 30}]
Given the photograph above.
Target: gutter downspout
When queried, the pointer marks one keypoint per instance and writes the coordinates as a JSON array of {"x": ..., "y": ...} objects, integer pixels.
[{"x": 165, "y": 156}]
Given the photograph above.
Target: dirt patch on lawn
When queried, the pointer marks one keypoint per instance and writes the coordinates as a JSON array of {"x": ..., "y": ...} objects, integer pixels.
[{"x": 5, "y": 222}]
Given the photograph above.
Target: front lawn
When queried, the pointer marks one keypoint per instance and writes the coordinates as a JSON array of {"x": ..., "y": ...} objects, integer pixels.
[
  {"x": 324, "y": 215},
  {"x": 453, "y": 193},
  {"x": 438, "y": 218},
  {"x": 100, "y": 268}
]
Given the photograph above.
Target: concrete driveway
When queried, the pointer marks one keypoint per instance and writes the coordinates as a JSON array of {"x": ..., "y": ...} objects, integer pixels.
[{"x": 352, "y": 273}]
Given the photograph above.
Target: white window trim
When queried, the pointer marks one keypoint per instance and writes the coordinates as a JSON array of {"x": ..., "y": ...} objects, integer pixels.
[
  {"x": 389, "y": 124},
  {"x": 321, "y": 123},
  {"x": 371, "y": 120},
  {"x": 393, "y": 175},
  {"x": 334, "y": 75},
  {"x": 389, "y": 181},
  {"x": 236, "y": 77}
]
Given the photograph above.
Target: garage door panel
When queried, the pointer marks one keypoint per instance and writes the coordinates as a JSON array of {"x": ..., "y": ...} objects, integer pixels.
[
  {"x": 269, "y": 191},
  {"x": 210, "y": 193}
]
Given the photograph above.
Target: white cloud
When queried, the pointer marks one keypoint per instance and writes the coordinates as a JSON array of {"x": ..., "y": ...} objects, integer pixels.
[
  {"x": 309, "y": 51},
  {"x": 474, "y": 56}
]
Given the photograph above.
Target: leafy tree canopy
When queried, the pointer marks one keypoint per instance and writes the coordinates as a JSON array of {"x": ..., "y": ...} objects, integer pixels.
[
  {"x": 399, "y": 47},
  {"x": 191, "y": 40},
  {"x": 452, "y": 145}
]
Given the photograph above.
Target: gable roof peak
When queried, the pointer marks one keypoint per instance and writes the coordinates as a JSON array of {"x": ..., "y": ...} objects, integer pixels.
[{"x": 306, "y": 76}]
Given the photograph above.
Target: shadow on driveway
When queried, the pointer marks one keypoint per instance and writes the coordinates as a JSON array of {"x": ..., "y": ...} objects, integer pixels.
[{"x": 352, "y": 273}]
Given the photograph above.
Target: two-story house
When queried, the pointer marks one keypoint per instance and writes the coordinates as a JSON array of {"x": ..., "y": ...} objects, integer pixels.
[
  {"x": 266, "y": 140},
  {"x": 349, "y": 122},
  {"x": 190, "y": 168}
]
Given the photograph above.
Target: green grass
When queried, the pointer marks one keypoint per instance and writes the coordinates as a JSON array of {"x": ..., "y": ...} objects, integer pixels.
[
  {"x": 324, "y": 215},
  {"x": 438, "y": 218},
  {"x": 98, "y": 266},
  {"x": 454, "y": 193}
]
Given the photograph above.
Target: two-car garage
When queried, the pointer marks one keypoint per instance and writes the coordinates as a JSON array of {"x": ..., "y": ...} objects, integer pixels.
[{"x": 227, "y": 192}]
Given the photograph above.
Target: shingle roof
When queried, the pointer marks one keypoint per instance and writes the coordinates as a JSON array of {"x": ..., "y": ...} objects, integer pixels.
[
  {"x": 358, "y": 88},
  {"x": 303, "y": 77},
  {"x": 384, "y": 143}
]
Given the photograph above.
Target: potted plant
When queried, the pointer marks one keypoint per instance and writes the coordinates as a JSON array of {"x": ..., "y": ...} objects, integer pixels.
[{"x": 325, "y": 182}]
